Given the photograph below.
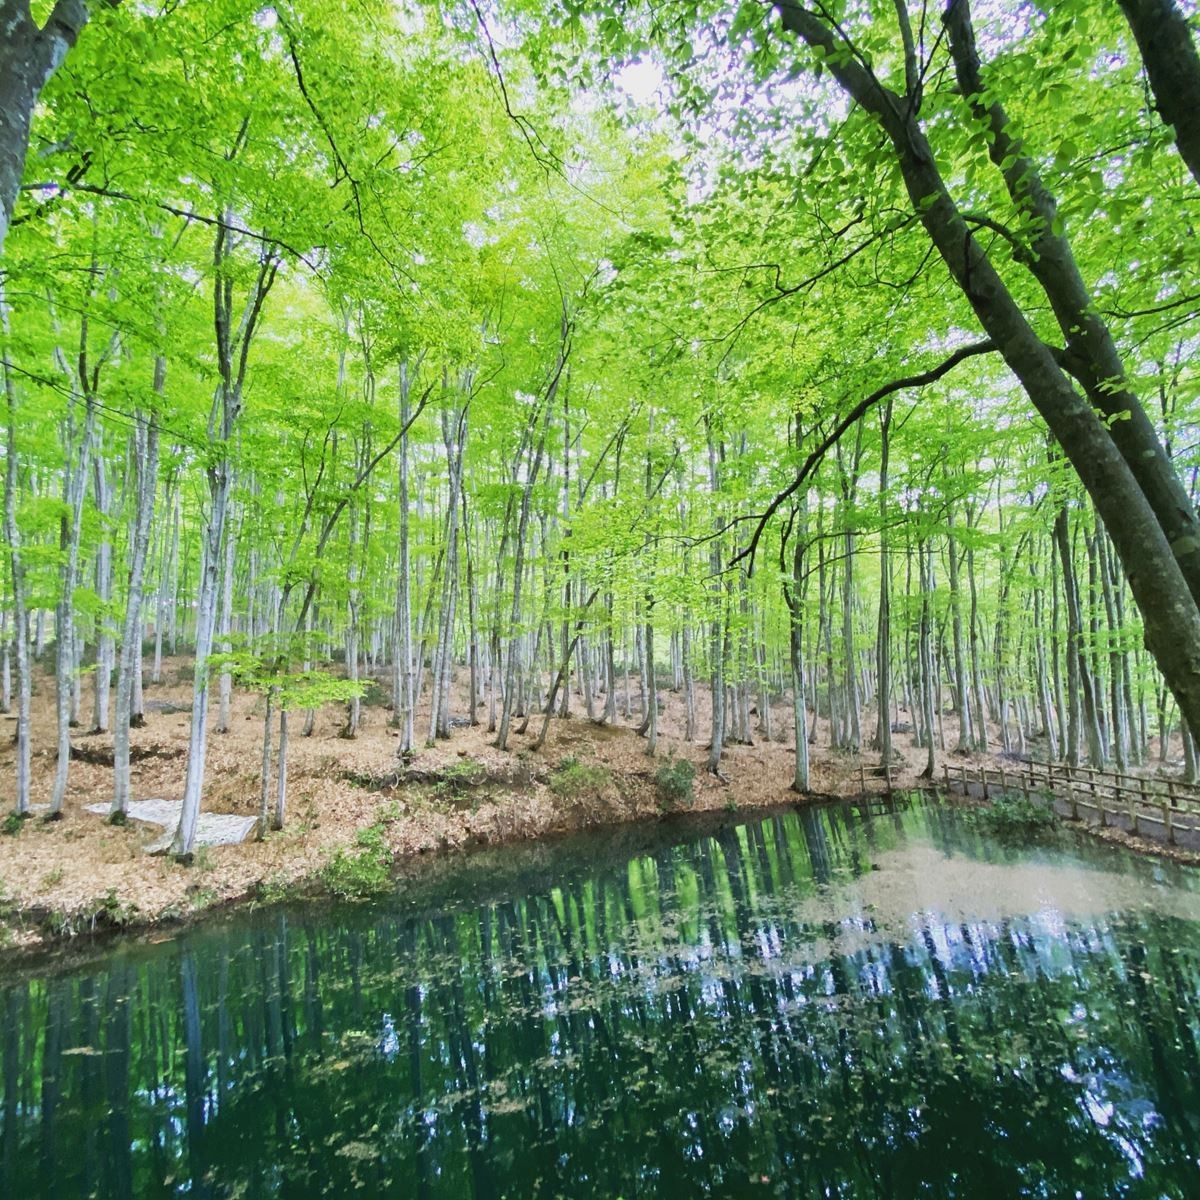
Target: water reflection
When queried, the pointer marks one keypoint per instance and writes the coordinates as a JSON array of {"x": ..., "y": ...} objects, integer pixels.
[{"x": 766, "y": 1011}]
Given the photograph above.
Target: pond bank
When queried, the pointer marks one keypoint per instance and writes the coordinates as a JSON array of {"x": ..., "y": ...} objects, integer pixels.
[{"x": 356, "y": 813}]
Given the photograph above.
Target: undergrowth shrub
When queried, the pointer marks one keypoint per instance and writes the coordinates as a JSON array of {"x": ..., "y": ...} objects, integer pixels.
[
  {"x": 574, "y": 780},
  {"x": 1016, "y": 817},
  {"x": 673, "y": 782},
  {"x": 363, "y": 872},
  {"x": 463, "y": 773}
]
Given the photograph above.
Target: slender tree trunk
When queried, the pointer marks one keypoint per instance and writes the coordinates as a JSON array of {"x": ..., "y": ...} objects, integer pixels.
[
  {"x": 510, "y": 672},
  {"x": 5, "y": 664},
  {"x": 16, "y": 560},
  {"x": 961, "y": 698},
  {"x": 281, "y": 777},
  {"x": 794, "y": 596},
  {"x": 883, "y": 625},
  {"x": 225, "y": 693},
  {"x": 265, "y": 781},
  {"x": 74, "y": 488},
  {"x": 925, "y": 554},
  {"x": 1043, "y": 682},
  {"x": 405, "y": 699},
  {"x": 689, "y": 685},
  {"x": 102, "y": 683},
  {"x": 717, "y": 642},
  {"x": 129, "y": 667},
  {"x": 232, "y": 356}
]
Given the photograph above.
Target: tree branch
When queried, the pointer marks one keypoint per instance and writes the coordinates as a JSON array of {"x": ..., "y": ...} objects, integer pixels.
[{"x": 974, "y": 350}]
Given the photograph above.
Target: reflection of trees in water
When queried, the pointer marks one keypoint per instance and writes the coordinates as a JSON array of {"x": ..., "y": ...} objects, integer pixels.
[{"x": 676, "y": 1027}]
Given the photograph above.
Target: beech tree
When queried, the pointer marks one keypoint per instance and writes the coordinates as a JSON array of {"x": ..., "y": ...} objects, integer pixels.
[{"x": 821, "y": 373}]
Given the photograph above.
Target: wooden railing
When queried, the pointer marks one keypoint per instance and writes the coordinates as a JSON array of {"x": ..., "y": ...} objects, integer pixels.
[{"x": 1166, "y": 806}]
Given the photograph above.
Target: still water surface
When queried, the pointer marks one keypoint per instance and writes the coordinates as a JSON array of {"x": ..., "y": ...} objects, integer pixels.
[{"x": 823, "y": 1003}]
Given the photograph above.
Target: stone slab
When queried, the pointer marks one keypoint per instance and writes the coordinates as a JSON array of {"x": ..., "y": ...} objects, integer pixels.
[{"x": 212, "y": 829}]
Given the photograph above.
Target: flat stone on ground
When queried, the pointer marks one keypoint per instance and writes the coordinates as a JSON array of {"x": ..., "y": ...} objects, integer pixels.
[{"x": 213, "y": 829}]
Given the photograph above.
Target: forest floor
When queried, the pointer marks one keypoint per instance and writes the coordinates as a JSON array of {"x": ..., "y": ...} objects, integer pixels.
[{"x": 81, "y": 875}]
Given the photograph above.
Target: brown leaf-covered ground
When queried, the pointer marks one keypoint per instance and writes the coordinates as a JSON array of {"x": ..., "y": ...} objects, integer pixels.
[{"x": 79, "y": 873}]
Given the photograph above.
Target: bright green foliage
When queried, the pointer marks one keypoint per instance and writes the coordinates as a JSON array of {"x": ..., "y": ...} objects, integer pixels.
[
  {"x": 364, "y": 871},
  {"x": 603, "y": 281},
  {"x": 1017, "y": 818}
]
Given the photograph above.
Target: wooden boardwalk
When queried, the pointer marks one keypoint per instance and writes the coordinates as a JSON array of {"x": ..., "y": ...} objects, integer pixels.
[{"x": 1167, "y": 810}]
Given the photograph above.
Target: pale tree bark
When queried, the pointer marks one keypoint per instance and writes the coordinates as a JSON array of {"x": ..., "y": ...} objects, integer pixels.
[
  {"x": 793, "y": 591},
  {"x": 102, "y": 684},
  {"x": 649, "y": 726},
  {"x": 454, "y": 436},
  {"x": 925, "y": 648},
  {"x": 1077, "y": 686},
  {"x": 1120, "y": 718},
  {"x": 1045, "y": 704},
  {"x": 403, "y": 699},
  {"x": 883, "y": 629},
  {"x": 75, "y": 473},
  {"x": 173, "y": 578},
  {"x": 689, "y": 686},
  {"x": 16, "y": 559},
  {"x": 510, "y": 671},
  {"x": 129, "y": 666},
  {"x": 233, "y": 346},
  {"x": 848, "y": 474},
  {"x": 961, "y": 697},
  {"x": 5, "y": 664},
  {"x": 160, "y": 594},
  {"x": 264, "y": 800},
  {"x": 353, "y": 598},
  {"x": 225, "y": 687},
  {"x": 281, "y": 778},
  {"x": 473, "y": 656},
  {"x": 717, "y": 648}
]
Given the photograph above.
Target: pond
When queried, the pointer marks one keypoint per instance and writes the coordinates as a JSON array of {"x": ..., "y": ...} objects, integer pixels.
[{"x": 825, "y": 1002}]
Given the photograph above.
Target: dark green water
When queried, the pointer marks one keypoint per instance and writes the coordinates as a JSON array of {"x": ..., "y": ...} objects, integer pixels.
[{"x": 819, "y": 1004}]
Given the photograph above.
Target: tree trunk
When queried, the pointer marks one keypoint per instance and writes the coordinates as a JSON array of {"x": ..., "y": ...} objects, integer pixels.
[
  {"x": 883, "y": 624},
  {"x": 29, "y": 56},
  {"x": 1147, "y": 548},
  {"x": 74, "y": 488},
  {"x": 1173, "y": 68},
  {"x": 102, "y": 683},
  {"x": 225, "y": 693},
  {"x": 129, "y": 667},
  {"x": 232, "y": 355},
  {"x": 403, "y": 701},
  {"x": 16, "y": 559}
]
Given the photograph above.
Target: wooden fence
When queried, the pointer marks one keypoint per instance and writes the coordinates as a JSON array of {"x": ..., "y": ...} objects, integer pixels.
[{"x": 1165, "y": 808}]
